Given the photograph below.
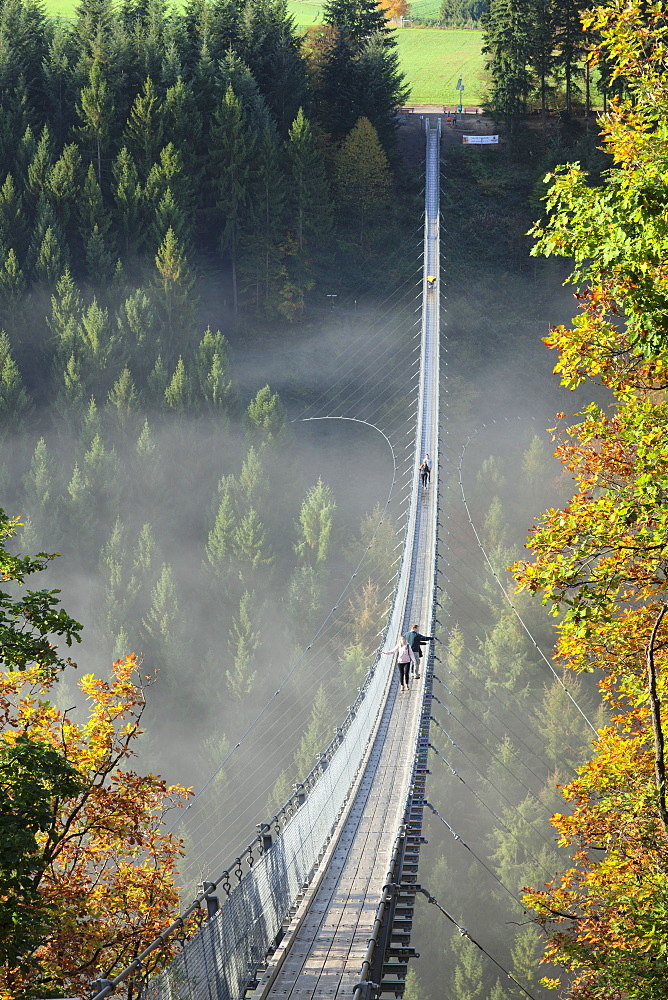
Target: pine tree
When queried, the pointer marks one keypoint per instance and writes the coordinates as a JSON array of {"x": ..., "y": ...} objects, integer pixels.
[
  {"x": 242, "y": 644},
  {"x": 219, "y": 541},
  {"x": 309, "y": 208},
  {"x": 231, "y": 151},
  {"x": 362, "y": 176},
  {"x": 308, "y": 192},
  {"x": 315, "y": 524},
  {"x": 95, "y": 110},
  {"x": 39, "y": 494},
  {"x": 250, "y": 546},
  {"x": 128, "y": 197},
  {"x": 260, "y": 245},
  {"x": 172, "y": 289},
  {"x": 306, "y": 602},
  {"x": 178, "y": 393},
  {"x": 64, "y": 185},
  {"x": 48, "y": 253},
  {"x": 70, "y": 401},
  {"x": 39, "y": 168},
  {"x": 57, "y": 70},
  {"x": 15, "y": 403},
  {"x": 12, "y": 287},
  {"x": 148, "y": 470},
  {"x": 213, "y": 384},
  {"x": 537, "y": 472},
  {"x": 266, "y": 416},
  {"x": 50, "y": 261},
  {"x": 66, "y": 311},
  {"x": 380, "y": 88},
  {"x": 90, "y": 205},
  {"x": 100, "y": 264},
  {"x": 13, "y": 226},
  {"x": 316, "y": 736},
  {"x": 143, "y": 132},
  {"x": 157, "y": 382},
  {"x": 183, "y": 125},
  {"x": 569, "y": 40},
  {"x": 468, "y": 978},
  {"x": 123, "y": 400},
  {"x": 97, "y": 337},
  {"x": 113, "y": 566},
  {"x": 91, "y": 426},
  {"x": 354, "y": 663},
  {"x": 168, "y": 191},
  {"x": 252, "y": 485},
  {"x": 509, "y": 39},
  {"x": 163, "y": 615},
  {"x": 355, "y": 19}
]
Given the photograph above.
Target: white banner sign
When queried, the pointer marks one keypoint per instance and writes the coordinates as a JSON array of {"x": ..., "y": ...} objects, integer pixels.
[{"x": 480, "y": 140}]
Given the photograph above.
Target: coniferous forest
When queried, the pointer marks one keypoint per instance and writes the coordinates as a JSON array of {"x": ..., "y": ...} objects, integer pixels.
[{"x": 201, "y": 211}]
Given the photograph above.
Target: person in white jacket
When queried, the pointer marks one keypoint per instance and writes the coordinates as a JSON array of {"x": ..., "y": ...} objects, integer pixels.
[{"x": 404, "y": 659}]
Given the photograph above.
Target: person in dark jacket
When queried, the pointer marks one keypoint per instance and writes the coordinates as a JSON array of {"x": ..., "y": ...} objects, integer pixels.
[{"x": 415, "y": 640}]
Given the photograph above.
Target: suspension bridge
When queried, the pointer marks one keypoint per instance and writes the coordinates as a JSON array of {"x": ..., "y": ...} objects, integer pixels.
[{"x": 322, "y": 905}]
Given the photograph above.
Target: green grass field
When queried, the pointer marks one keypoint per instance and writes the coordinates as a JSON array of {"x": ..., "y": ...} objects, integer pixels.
[{"x": 431, "y": 58}]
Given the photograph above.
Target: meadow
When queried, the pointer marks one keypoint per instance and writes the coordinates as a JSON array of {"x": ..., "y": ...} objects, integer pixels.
[{"x": 432, "y": 60}]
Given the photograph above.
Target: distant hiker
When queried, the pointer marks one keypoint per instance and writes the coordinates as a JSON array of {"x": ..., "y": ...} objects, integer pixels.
[
  {"x": 425, "y": 470},
  {"x": 405, "y": 659},
  {"x": 415, "y": 640}
]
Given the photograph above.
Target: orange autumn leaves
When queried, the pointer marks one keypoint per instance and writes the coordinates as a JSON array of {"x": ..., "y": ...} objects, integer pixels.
[
  {"x": 106, "y": 870},
  {"x": 601, "y": 562}
]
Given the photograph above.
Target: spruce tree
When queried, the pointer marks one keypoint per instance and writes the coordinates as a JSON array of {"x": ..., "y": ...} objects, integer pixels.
[
  {"x": 243, "y": 642},
  {"x": 231, "y": 152},
  {"x": 128, "y": 198},
  {"x": 12, "y": 287},
  {"x": 163, "y": 616},
  {"x": 268, "y": 222},
  {"x": 143, "y": 132},
  {"x": 250, "y": 547},
  {"x": 51, "y": 260},
  {"x": 15, "y": 403},
  {"x": 266, "y": 416},
  {"x": 39, "y": 168},
  {"x": 64, "y": 184},
  {"x": 40, "y": 494},
  {"x": 13, "y": 225},
  {"x": 212, "y": 383},
  {"x": 95, "y": 111},
  {"x": 90, "y": 205},
  {"x": 178, "y": 393},
  {"x": 356, "y": 19},
  {"x": 315, "y": 524},
  {"x": 509, "y": 46},
  {"x": 218, "y": 546},
  {"x": 122, "y": 400},
  {"x": 172, "y": 289}
]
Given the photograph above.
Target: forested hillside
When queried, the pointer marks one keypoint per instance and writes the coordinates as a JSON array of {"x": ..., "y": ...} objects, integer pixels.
[{"x": 183, "y": 195}]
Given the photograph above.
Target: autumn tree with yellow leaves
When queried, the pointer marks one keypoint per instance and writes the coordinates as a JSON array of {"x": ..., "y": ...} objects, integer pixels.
[
  {"x": 602, "y": 561},
  {"x": 86, "y": 869}
]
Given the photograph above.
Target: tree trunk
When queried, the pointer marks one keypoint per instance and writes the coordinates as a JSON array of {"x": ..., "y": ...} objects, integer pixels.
[{"x": 655, "y": 710}]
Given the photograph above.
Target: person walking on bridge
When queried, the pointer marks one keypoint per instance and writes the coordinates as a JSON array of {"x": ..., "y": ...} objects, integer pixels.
[
  {"x": 425, "y": 470},
  {"x": 405, "y": 659},
  {"x": 415, "y": 640}
]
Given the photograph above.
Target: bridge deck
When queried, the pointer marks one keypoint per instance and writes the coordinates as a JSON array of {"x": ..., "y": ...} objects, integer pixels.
[{"x": 325, "y": 945}]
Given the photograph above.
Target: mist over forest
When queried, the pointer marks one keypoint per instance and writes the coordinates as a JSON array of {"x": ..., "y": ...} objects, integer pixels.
[{"x": 210, "y": 230}]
